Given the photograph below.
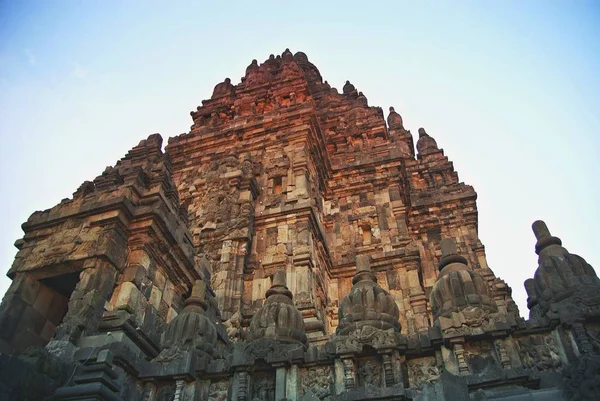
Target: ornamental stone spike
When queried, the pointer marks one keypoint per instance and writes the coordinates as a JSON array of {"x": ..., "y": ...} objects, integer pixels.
[
  {"x": 363, "y": 263},
  {"x": 448, "y": 247},
  {"x": 199, "y": 289},
  {"x": 450, "y": 255},
  {"x": 278, "y": 292},
  {"x": 279, "y": 278},
  {"x": 197, "y": 299},
  {"x": 540, "y": 229},
  {"x": 543, "y": 236}
]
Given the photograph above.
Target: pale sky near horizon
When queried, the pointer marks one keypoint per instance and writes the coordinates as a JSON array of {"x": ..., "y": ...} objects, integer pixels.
[{"x": 509, "y": 89}]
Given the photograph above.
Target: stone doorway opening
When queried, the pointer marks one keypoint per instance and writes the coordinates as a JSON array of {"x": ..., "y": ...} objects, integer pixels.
[
  {"x": 54, "y": 295},
  {"x": 46, "y": 302}
]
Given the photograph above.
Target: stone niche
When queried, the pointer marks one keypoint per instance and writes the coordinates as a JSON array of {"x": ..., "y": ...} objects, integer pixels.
[
  {"x": 262, "y": 386},
  {"x": 370, "y": 371},
  {"x": 35, "y": 315}
]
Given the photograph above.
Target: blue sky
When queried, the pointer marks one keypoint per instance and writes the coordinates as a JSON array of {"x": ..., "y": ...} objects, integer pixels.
[{"x": 510, "y": 90}]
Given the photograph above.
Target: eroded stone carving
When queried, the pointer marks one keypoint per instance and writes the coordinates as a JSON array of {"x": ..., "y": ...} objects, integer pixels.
[
  {"x": 191, "y": 329},
  {"x": 582, "y": 379},
  {"x": 426, "y": 144},
  {"x": 367, "y": 304},
  {"x": 263, "y": 388},
  {"x": 218, "y": 391},
  {"x": 564, "y": 286},
  {"x": 539, "y": 352},
  {"x": 278, "y": 319},
  {"x": 370, "y": 373},
  {"x": 317, "y": 380},
  {"x": 422, "y": 370}
]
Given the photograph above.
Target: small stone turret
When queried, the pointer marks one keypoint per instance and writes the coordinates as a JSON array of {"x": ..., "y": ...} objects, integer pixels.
[
  {"x": 426, "y": 144},
  {"x": 458, "y": 287},
  {"x": 278, "y": 319},
  {"x": 225, "y": 88},
  {"x": 362, "y": 99},
  {"x": 191, "y": 329},
  {"x": 394, "y": 119},
  {"x": 252, "y": 67},
  {"x": 560, "y": 276},
  {"x": 348, "y": 88},
  {"x": 287, "y": 55},
  {"x": 367, "y": 304}
]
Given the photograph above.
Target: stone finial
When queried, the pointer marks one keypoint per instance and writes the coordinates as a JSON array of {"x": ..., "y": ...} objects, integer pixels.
[
  {"x": 278, "y": 318},
  {"x": 457, "y": 286},
  {"x": 362, "y": 99},
  {"x": 348, "y": 88},
  {"x": 287, "y": 55},
  {"x": 448, "y": 247},
  {"x": 252, "y": 67},
  {"x": 199, "y": 289},
  {"x": 367, "y": 304},
  {"x": 540, "y": 229},
  {"x": 426, "y": 144},
  {"x": 363, "y": 263},
  {"x": 198, "y": 297},
  {"x": 450, "y": 255},
  {"x": 279, "y": 291},
  {"x": 192, "y": 328},
  {"x": 543, "y": 236},
  {"x": 394, "y": 119},
  {"x": 279, "y": 278},
  {"x": 363, "y": 270},
  {"x": 562, "y": 282},
  {"x": 225, "y": 88}
]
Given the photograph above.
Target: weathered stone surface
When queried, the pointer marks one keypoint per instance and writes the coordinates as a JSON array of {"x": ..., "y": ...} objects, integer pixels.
[
  {"x": 367, "y": 304},
  {"x": 286, "y": 248},
  {"x": 278, "y": 319}
]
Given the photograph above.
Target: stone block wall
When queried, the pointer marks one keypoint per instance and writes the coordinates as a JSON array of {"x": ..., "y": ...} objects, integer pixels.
[{"x": 33, "y": 310}]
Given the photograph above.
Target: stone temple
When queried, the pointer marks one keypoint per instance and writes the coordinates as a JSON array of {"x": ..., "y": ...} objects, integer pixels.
[{"x": 291, "y": 246}]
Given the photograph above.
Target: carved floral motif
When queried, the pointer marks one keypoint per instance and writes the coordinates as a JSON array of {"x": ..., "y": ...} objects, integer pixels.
[{"x": 367, "y": 335}]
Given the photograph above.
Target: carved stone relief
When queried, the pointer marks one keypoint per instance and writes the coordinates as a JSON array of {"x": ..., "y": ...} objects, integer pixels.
[
  {"x": 369, "y": 373},
  {"x": 218, "y": 391},
  {"x": 421, "y": 371},
  {"x": 316, "y": 380},
  {"x": 263, "y": 387},
  {"x": 478, "y": 355},
  {"x": 539, "y": 352}
]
